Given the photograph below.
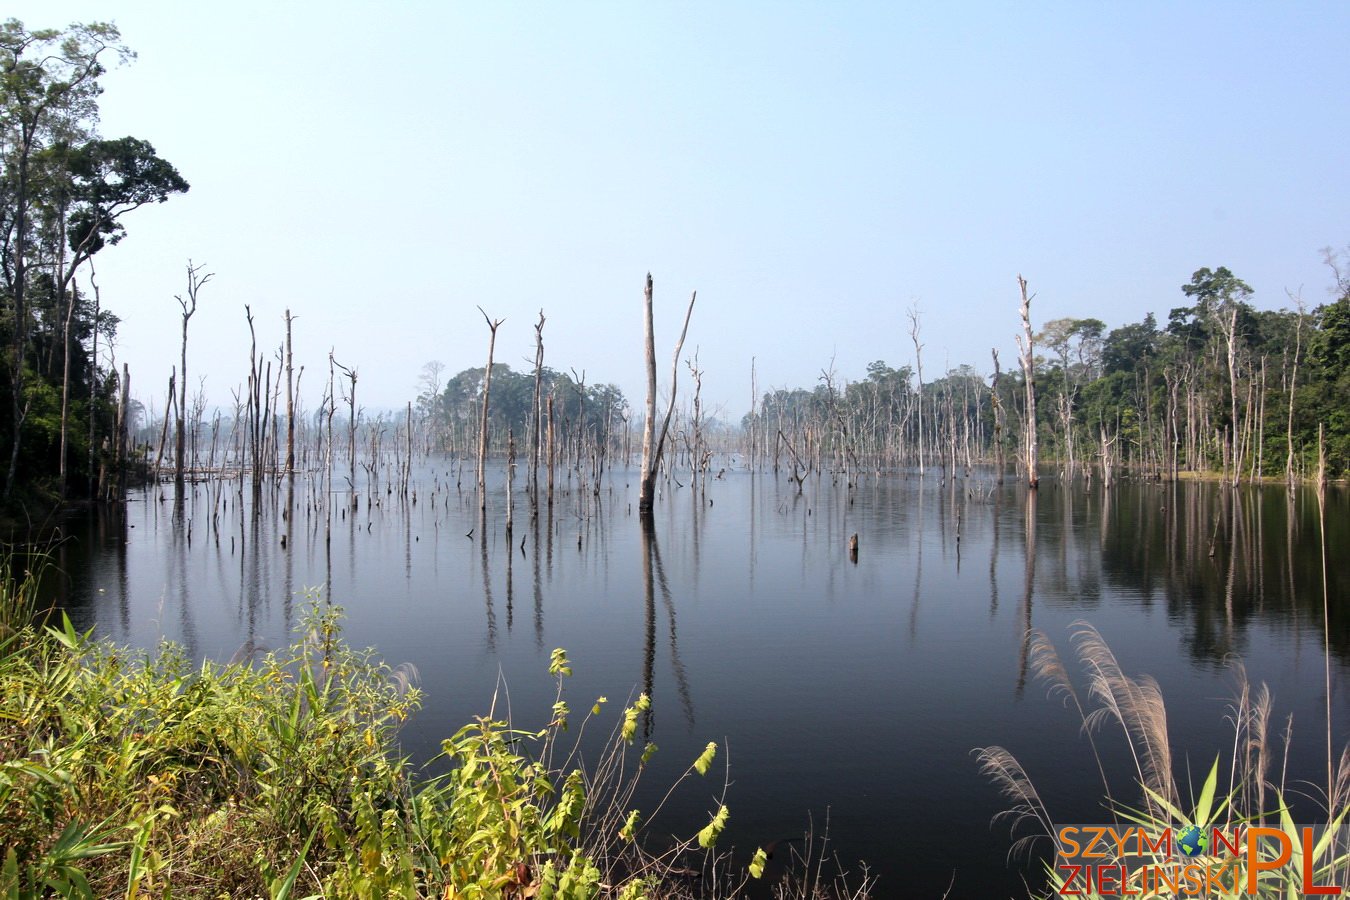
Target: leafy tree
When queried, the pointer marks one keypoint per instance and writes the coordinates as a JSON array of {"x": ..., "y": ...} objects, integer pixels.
[
  {"x": 1127, "y": 347},
  {"x": 582, "y": 412},
  {"x": 63, "y": 193}
]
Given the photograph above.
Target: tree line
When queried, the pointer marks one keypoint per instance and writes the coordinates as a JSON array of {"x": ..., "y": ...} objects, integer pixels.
[{"x": 1219, "y": 387}]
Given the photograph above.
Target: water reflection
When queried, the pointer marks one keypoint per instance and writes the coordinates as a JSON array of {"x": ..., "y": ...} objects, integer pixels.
[
  {"x": 1028, "y": 585},
  {"x": 741, "y": 596}
]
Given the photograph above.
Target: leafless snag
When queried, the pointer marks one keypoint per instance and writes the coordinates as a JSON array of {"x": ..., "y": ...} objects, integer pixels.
[
  {"x": 493, "y": 325},
  {"x": 189, "y": 306},
  {"x": 1028, "y": 360},
  {"x": 652, "y": 443}
]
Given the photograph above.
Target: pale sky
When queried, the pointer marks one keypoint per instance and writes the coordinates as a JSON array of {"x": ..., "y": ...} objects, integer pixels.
[{"x": 813, "y": 170}]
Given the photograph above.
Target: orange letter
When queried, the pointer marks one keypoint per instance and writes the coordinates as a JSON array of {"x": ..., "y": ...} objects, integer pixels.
[
  {"x": 1066, "y": 841},
  {"x": 1098, "y": 834},
  {"x": 1254, "y": 864},
  {"x": 1308, "y": 886}
]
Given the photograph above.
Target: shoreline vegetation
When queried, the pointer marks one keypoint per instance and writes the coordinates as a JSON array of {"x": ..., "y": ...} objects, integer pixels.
[
  {"x": 133, "y": 774},
  {"x": 1249, "y": 785}
]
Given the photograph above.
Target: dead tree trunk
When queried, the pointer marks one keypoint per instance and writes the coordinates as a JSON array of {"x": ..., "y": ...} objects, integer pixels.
[
  {"x": 351, "y": 422},
  {"x": 552, "y": 451},
  {"x": 999, "y": 418},
  {"x": 1293, "y": 386},
  {"x": 918, "y": 364},
  {"x": 510, "y": 472},
  {"x": 1228, "y": 326},
  {"x": 647, "y": 486},
  {"x": 1028, "y": 361},
  {"x": 123, "y": 429},
  {"x": 407, "y": 467},
  {"x": 189, "y": 307},
  {"x": 290, "y": 400},
  {"x": 93, "y": 386},
  {"x": 164, "y": 429},
  {"x": 493, "y": 325},
  {"x": 538, "y": 436},
  {"x": 65, "y": 382},
  {"x": 652, "y": 444}
]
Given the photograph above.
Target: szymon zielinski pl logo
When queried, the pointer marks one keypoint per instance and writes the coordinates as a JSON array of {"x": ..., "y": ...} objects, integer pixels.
[{"x": 1198, "y": 861}]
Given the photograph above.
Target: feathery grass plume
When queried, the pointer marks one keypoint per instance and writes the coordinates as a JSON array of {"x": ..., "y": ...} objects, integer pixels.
[
  {"x": 1048, "y": 666},
  {"x": 1239, "y": 716},
  {"x": 1000, "y": 766},
  {"x": 1135, "y": 704},
  {"x": 1258, "y": 744},
  {"x": 1249, "y": 713}
]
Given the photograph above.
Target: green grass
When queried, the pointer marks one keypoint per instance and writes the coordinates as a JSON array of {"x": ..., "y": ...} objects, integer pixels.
[{"x": 136, "y": 774}]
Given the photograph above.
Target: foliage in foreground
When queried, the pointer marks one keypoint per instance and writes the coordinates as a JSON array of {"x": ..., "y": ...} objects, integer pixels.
[
  {"x": 1252, "y": 792},
  {"x": 130, "y": 774}
]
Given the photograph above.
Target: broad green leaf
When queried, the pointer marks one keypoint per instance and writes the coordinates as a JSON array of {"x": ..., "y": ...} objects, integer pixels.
[{"x": 1202, "y": 808}]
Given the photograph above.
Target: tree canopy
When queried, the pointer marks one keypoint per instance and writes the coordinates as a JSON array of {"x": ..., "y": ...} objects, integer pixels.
[{"x": 64, "y": 192}]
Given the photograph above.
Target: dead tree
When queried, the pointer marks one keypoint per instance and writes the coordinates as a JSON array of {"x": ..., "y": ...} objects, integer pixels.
[
  {"x": 123, "y": 441},
  {"x": 1236, "y": 450},
  {"x": 998, "y": 417},
  {"x": 189, "y": 306},
  {"x": 290, "y": 400},
  {"x": 493, "y": 325},
  {"x": 1293, "y": 386},
  {"x": 918, "y": 365},
  {"x": 93, "y": 394},
  {"x": 350, "y": 393},
  {"x": 510, "y": 473},
  {"x": 552, "y": 452},
  {"x": 538, "y": 414},
  {"x": 652, "y": 444},
  {"x": 1028, "y": 360}
]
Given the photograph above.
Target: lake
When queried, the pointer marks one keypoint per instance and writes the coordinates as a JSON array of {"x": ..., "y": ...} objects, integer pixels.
[{"x": 848, "y": 693}]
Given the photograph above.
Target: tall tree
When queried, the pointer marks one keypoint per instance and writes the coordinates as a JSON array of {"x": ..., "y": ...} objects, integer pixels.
[
  {"x": 48, "y": 81},
  {"x": 63, "y": 193},
  {"x": 1221, "y": 297}
]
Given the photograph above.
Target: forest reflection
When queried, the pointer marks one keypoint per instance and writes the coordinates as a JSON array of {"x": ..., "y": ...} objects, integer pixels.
[
  {"x": 740, "y": 610},
  {"x": 1215, "y": 558}
]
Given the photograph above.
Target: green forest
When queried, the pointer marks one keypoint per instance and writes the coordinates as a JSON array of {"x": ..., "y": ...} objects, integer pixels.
[
  {"x": 65, "y": 194},
  {"x": 1218, "y": 387}
]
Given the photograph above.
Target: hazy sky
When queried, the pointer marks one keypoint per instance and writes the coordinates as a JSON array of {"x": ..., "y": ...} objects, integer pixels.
[{"x": 813, "y": 170}]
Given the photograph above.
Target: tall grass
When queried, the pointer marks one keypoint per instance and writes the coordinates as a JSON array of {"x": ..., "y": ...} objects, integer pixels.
[
  {"x": 18, "y": 598},
  {"x": 1251, "y": 790}
]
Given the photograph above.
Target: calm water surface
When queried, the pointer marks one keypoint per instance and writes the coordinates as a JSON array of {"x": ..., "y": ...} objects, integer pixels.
[{"x": 845, "y": 692}]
